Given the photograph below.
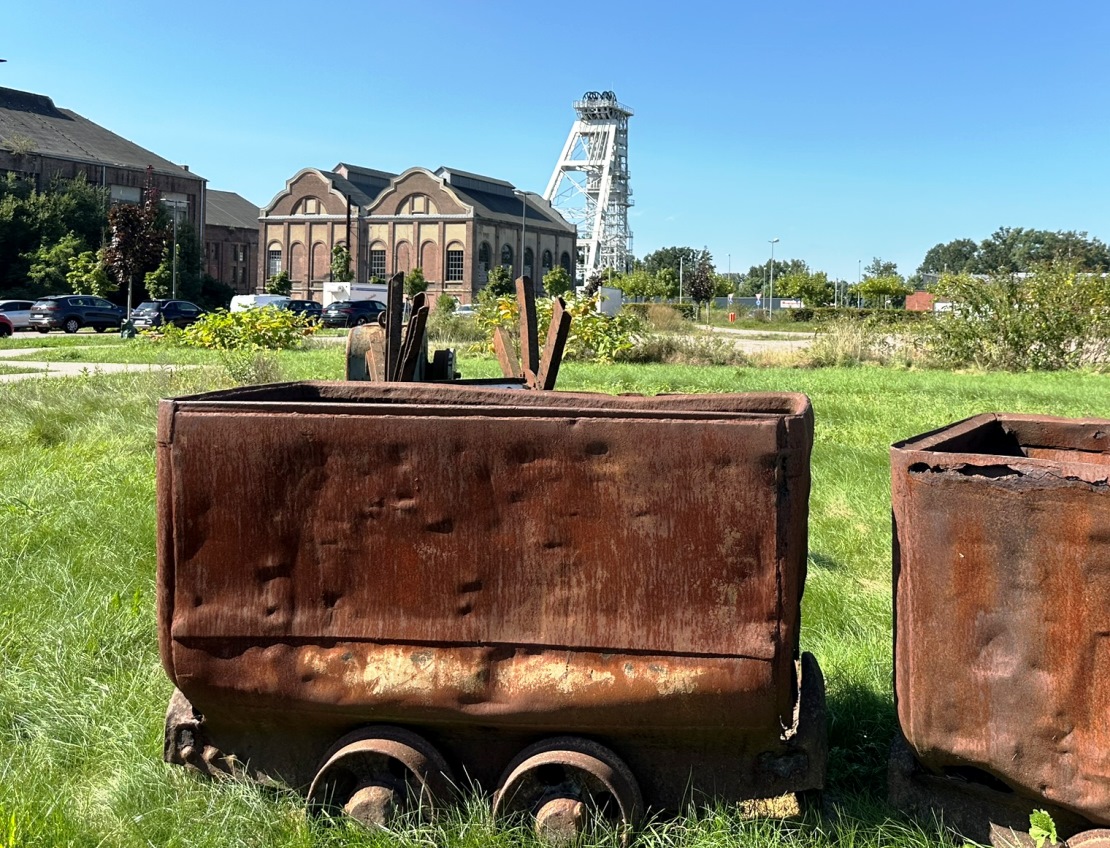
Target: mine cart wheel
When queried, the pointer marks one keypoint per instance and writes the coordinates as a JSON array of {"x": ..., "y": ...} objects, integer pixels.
[
  {"x": 565, "y": 782},
  {"x": 379, "y": 772},
  {"x": 1097, "y": 838}
]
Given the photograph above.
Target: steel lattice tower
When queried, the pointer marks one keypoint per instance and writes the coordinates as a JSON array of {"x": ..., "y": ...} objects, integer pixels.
[{"x": 589, "y": 186}]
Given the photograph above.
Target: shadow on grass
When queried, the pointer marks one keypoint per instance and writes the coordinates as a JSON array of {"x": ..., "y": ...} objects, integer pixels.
[{"x": 861, "y": 724}]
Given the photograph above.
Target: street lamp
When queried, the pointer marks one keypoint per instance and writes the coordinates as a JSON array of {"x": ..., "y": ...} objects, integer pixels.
[
  {"x": 771, "y": 292},
  {"x": 175, "y": 202},
  {"x": 523, "y": 212}
]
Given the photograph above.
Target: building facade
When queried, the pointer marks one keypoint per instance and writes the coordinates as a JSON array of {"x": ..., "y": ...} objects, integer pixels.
[
  {"x": 453, "y": 225},
  {"x": 40, "y": 142},
  {"x": 231, "y": 241}
]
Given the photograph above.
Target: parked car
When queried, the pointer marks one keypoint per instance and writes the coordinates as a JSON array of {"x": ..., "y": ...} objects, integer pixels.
[
  {"x": 71, "y": 312},
  {"x": 6, "y": 328},
  {"x": 18, "y": 312},
  {"x": 158, "y": 313},
  {"x": 308, "y": 308},
  {"x": 465, "y": 311},
  {"x": 352, "y": 313}
]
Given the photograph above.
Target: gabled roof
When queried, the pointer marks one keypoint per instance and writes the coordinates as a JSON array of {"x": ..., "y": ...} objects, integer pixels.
[
  {"x": 499, "y": 197},
  {"x": 228, "y": 209},
  {"x": 33, "y": 121},
  {"x": 370, "y": 182}
]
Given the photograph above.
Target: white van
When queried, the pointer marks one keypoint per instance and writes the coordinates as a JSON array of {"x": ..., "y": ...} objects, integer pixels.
[{"x": 249, "y": 301}]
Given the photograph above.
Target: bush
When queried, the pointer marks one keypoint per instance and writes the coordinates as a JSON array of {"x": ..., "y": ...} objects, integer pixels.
[
  {"x": 593, "y": 335},
  {"x": 824, "y": 314},
  {"x": 267, "y": 328},
  {"x": 1052, "y": 319},
  {"x": 445, "y": 304}
]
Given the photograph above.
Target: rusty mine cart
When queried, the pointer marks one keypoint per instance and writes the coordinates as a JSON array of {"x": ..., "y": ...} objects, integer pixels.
[
  {"x": 583, "y": 605},
  {"x": 1002, "y": 619}
]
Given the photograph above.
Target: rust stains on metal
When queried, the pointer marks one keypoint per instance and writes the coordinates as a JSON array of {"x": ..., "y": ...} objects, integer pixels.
[
  {"x": 1002, "y": 606},
  {"x": 475, "y": 560}
]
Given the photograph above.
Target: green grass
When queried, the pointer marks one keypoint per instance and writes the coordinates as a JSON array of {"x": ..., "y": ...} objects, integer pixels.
[
  {"x": 84, "y": 337},
  {"x": 82, "y": 693}
]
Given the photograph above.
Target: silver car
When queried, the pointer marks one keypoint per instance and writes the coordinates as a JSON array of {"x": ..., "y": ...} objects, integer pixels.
[{"x": 18, "y": 312}]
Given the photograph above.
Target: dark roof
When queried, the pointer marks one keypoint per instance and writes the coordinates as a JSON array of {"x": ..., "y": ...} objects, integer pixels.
[
  {"x": 367, "y": 180},
  {"x": 348, "y": 189},
  {"x": 32, "y": 120},
  {"x": 228, "y": 209}
]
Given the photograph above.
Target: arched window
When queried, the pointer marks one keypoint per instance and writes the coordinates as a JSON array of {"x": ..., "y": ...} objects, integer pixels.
[
  {"x": 454, "y": 263},
  {"x": 529, "y": 260},
  {"x": 484, "y": 255},
  {"x": 507, "y": 256},
  {"x": 377, "y": 260},
  {"x": 564, "y": 260},
  {"x": 273, "y": 260},
  {"x": 545, "y": 261}
]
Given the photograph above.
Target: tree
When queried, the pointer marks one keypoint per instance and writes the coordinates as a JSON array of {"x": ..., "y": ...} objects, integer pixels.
[
  {"x": 955, "y": 257},
  {"x": 641, "y": 283},
  {"x": 557, "y": 281},
  {"x": 159, "y": 282},
  {"x": 88, "y": 275},
  {"x": 341, "y": 264},
  {"x": 279, "y": 284},
  {"x": 700, "y": 282},
  {"x": 881, "y": 289},
  {"x": 32, "y": 221},
  {"x": 811, "y": 287},
  {"x": 49, "y": 265},
  {"x": 137, "y": 238},
  {"x": 445, "y": 304},
  {"x": 668, "y": 283},
  {"x": 878, "y": 268},
  {"x": 758, "y": 278},
  {"x": 500, "y": 281},
  {"x": 674, "y": 259},
  {"x": 415, "y": 282}
]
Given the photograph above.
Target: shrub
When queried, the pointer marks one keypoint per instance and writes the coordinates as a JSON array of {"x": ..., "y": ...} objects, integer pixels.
[
  {"x": 445, "y": 304},
  {"x": 593, "y": 335},
  {"x": 280, "y": 284},
  {"x": 267, "y": 328},
  {"x": 1052, "y": 319}
]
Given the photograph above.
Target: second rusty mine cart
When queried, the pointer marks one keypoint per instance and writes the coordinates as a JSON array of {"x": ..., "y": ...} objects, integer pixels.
[{"x": 1002, "y": 624}]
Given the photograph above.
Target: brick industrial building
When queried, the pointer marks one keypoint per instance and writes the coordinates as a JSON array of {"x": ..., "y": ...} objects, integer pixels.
[
  {"x": 231, "y": 241},
  {"x": 451, "y": 224},
  {"x": 41, "y": 142}
]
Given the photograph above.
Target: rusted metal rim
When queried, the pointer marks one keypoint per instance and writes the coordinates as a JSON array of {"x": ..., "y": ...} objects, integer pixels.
[
  {"x": 565, "y": 781},
  {"x": 378, "y": 772},
  {"x": 1097, "y": 838},
  {"x": 358, "y": 343}
]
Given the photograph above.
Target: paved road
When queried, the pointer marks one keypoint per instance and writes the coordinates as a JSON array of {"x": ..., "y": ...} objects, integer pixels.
[
  {"x": 748, "y": 341},
  {"x": 67, "y": 369}
]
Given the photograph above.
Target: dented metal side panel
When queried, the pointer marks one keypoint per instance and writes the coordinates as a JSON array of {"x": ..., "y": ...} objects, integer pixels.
[
  {"x": 452, "y": 555},
  {"x": 1002, "y": 604}
]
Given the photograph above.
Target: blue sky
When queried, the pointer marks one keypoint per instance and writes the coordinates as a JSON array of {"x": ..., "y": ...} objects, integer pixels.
[{"x": 848, "y": 130}]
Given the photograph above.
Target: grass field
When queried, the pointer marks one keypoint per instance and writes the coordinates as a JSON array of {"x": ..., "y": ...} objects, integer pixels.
[{"x": 82, "y": 693}]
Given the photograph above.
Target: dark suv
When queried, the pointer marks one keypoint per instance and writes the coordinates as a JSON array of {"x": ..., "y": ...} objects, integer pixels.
[
  {"x": 307, "y": 308},
  {"x": 351, "y": 313},
  {"x": 71, "y": 312},
  {"x": 156, "y": 313}
]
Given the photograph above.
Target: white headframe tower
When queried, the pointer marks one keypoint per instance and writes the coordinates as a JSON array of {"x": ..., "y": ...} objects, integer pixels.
[{"x": 589, "y": 186}]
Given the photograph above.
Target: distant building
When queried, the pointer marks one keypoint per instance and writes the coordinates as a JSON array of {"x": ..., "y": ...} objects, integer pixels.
[
  {"x": 231, "y": 241},
  {"x": 920, "y": 301},
  {"x": 451, "y": 224},
  {"x": 39, "y": 141}
]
